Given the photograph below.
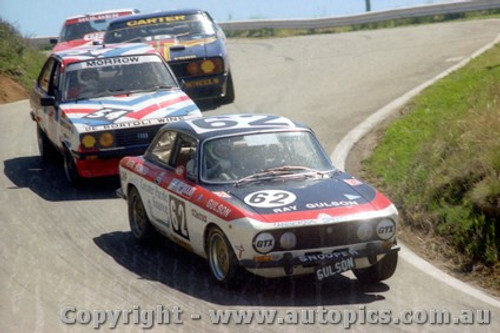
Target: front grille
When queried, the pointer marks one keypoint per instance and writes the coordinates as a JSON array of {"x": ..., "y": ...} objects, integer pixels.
[
  {"x": 330, "y": 235},
  {"x": 136, "y": 136}
]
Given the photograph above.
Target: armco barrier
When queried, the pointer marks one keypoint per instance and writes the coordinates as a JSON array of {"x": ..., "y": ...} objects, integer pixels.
[{"x": 371, "y": 17}]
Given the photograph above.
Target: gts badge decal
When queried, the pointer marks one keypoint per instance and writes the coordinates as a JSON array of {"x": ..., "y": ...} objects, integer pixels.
[
  {"x": 178, "y": 217},
  {"x": 107, "y": 114},
  {"x": 270, "y": 198}
]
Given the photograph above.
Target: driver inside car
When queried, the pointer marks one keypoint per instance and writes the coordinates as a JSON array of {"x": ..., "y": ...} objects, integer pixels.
[{"x": 218, "y": 163}]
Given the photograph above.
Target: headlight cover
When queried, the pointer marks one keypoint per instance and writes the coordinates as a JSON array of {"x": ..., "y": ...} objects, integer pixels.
[{"x": 288, "y": 240}]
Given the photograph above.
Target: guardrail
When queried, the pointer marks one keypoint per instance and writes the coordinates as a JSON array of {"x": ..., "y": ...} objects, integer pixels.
[{"x": 371, "y": 17}]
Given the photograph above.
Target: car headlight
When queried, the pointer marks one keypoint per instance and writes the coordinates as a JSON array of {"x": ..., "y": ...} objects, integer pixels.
[
  {"x": 207, "y": 66},
  {"x": 288, "y": 240},
  {"x": 106, "y": 139},
  {"x": 386, "y": 229},
  {"x": 88, "y": 141},
  {"x": 263, "y": 242}
]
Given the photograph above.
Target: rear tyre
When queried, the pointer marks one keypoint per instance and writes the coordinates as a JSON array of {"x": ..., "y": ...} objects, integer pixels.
[
  {"x": 140, "y": 225},
  {"x": 382, "y": 270},
  {"x": 221, "y": 258},
  {"x": 47, "y": 151},
  {"x": 70, "y": 170}
]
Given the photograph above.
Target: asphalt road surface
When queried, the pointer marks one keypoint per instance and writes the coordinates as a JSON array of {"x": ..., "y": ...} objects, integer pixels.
[{"x": 67, "y": 255}]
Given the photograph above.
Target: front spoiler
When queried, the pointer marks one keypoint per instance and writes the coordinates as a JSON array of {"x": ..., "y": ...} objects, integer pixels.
[{"x": 288, "y": 262}]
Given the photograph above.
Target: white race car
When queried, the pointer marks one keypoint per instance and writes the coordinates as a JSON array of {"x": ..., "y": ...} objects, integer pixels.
[
  {"x": 258, "y": 192},
  {"x": 97, "y": 105}
]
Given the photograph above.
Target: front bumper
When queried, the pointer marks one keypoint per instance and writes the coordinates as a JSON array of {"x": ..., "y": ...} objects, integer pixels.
[
  {"x": 104, "y": 162},
  {"x": 205, "y": 87},
  {"x": 312, "y": 259}
]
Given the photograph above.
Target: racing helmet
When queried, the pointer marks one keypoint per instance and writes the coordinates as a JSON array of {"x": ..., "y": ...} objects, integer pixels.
[
  {"x": 219, "y": 152},
  {"x": 88, "y": 78}
]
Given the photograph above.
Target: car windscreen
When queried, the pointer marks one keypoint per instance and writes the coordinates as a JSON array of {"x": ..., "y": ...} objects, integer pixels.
[
  {"x": 237, "y": 157},
  {"x": 112, "y": 76},
  {"x": 157, "y": 28}
]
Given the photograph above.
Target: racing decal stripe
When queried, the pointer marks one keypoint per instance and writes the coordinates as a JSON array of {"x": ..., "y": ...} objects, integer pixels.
[
  {"x": 213, "y": 204},
  {"x": 188, "y": 43},
  {"x": 69, "y": 111},
  {"x": 379, "y": 202},
  {"x": 204, "y": 199},
  {"x": 151, "y": 108}
]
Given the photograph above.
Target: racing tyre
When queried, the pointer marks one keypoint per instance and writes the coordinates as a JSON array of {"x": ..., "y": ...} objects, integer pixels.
[
  {"x": 140, "y": 225},
  {"x": 229, "y": 96},
  {"x": 382, "y": 270},
  {"x": 45, "y": 147},
  {"x": 70, "y": 170},
  {"x": 221, "y": 258}
]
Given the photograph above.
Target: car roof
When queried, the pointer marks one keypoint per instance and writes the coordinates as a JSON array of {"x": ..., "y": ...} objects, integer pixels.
[
  {"x": 158, "y": 14},
  {"x": 104, "y": 51},
  {"x": 113, "y": 11},
  {"x": 238, "y": 124}
]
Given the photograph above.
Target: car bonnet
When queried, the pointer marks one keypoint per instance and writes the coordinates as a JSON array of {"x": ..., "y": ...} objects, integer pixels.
[
  {"x": 122, "y": 111},
  {"x": 290, "y": 201}
]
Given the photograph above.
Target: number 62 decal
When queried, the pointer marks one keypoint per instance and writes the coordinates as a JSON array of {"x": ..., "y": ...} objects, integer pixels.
[
  {"x": 178, "y": 217},
  {"x": 270, "y": 198}
]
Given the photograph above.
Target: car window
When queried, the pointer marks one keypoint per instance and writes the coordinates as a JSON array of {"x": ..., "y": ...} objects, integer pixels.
[
  {"x": 54, "y": 83},
  {"x": 162, "y": 149},
  {"x": 185, "y": 155},
  {"x": 46, "y": 74}
]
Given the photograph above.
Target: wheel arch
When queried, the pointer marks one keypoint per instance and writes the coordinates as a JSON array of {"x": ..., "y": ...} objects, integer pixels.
[{"x": 209, "y": 227}]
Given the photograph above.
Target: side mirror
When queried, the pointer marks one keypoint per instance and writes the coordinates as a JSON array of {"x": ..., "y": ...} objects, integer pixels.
[
  {"x": 48, "y": 101},
  {"x": 53, "y": 41}
]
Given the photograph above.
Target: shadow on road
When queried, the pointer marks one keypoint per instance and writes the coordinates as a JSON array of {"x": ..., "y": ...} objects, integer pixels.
[
  {"x": 49, "y": 182},
  {"x": 179, "y": 269}
]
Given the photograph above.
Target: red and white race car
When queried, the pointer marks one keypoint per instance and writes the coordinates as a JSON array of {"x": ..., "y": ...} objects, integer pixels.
[
  {"x": 87, "y": 29},
  {"x": 258, "y": 192},
  {"x": 97, "y": 105}
]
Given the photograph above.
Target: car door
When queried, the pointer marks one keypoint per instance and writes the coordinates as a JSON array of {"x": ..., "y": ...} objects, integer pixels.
[
  {"x": 45, "y": 99},
  {"x": 176, "y": 188}
]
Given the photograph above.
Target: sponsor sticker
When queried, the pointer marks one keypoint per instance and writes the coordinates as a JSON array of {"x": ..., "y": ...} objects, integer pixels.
[
  {"x": 264, "y": 242},
  {"x": 181, "y": 188},
  {"x": 156, "y": 20},
  {"x": 386, "y": 229},
  {"x": 353, "y": 182}
]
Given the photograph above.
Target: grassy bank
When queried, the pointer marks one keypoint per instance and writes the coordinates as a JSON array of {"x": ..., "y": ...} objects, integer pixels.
[
  {"x": 441, "y": 162},
  {"x": 19, "y": 60}
]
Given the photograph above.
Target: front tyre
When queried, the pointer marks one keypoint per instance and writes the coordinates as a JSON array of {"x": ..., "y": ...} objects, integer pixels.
[
  {"x": 229, "y": 95},
  {"x": 140, "y": 225},
  {"x": 382, "y": 270},
  {"x": 70, "y": 170},
  {"x": 45, "y": 147},
  {"x": 221, "y": 258}
]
